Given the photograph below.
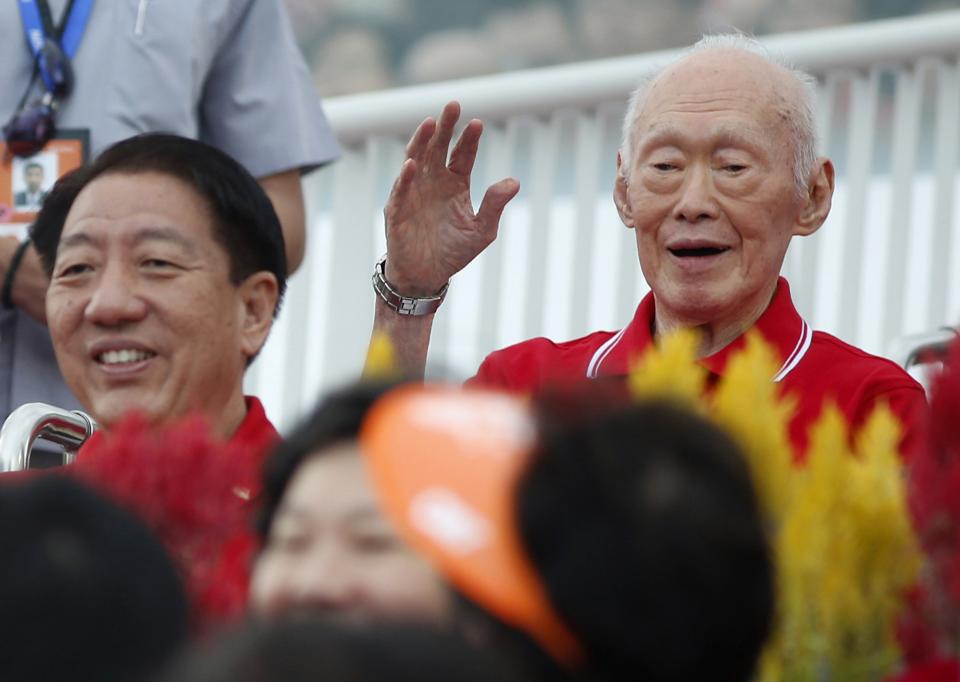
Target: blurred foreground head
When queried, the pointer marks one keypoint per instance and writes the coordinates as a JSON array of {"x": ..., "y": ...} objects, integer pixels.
[
  {"x": 643, "y": 523},
  {"x": 625, "y": 540},
  {"x": 328, "y": 548},
  {"x": 308, "y": 651},
  {"x": 87, "y": 593}
]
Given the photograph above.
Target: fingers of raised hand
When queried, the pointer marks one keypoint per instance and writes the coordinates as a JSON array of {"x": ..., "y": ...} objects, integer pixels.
[
  {"x": 494, "y": 201},
  {"x": 418, "y": 144},
  {"x": 440, "y": 144},
  {"x": 464, "y": 153},
  {"x": 408, "y": 171}
]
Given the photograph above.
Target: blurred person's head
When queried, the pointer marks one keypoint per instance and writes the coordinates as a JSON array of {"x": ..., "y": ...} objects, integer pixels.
[
  {"x": 625, "y": 540},
  {"x": 33, "y": 176},
  {"x": 327, "y": 546},
  {"x": 717, "y": 172},
  {"x": 167, "y": 268},
  {"x": 87, "y": 593},
  {"x": 308, "y": 650},
  {"x": 643, "y": 524}
]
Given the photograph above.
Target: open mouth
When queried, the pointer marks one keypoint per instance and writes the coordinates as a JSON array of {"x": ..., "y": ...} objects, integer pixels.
[
  {"x": 126, "y": 356},
  {"x": 698, "y": 252}
]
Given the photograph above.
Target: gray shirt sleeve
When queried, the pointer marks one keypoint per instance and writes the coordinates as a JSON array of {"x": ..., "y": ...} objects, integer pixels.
[
  {"x": 227, "y": 71},
  {"x": 259, "y": 103}
]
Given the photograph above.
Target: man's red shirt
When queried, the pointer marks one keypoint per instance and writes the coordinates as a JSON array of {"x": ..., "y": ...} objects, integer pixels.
[
  {"x": 816, "y": 367},
  {"x": 255, "y": 432}
]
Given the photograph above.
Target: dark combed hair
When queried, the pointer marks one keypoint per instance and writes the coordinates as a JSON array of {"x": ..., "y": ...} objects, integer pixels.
[
  {"x": 87, "y": 593},
  {"x": 644, "y": 525},
  {"x": 305, "y": 651},
  {"x": 246, "y": 224},
  {"x": 337, "y": 418}
]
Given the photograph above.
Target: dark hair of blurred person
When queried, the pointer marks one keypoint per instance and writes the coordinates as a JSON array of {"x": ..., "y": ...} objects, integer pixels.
[
  {"x": 87, "y": 593},
  {"x": 310, "y": 650},
  {"x": 624, "y": 539},
  {"x": 327, "y": 546},
  {"x": 245, "y": 223},
  {"x": 644, "y": 526}
]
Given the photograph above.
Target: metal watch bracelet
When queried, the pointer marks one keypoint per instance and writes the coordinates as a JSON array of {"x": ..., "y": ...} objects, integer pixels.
[{"x": 404, "y": 305}]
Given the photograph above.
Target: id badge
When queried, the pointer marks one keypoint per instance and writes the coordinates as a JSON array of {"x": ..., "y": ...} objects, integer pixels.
[{"x": 26, "y": 181}]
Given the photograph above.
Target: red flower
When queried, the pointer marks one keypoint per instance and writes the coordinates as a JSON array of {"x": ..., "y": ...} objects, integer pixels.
[
  {"x": 945, "y": 670},
  {"x": 194, "y": 491},
  {"x": 935, "y": 507}
]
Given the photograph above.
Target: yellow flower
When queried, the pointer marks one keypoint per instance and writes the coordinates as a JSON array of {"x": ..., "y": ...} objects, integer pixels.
[
  {"x": 670, "y": 371},
  {"x": 842, "y": 541},
  {"x": 845, "y": 553},
  {"x": 747, "y": 404},
  {"x": 381, "y": 362}
]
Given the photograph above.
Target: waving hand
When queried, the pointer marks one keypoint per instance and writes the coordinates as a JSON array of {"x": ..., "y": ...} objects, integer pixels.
[{"x": 432, "y": 229}]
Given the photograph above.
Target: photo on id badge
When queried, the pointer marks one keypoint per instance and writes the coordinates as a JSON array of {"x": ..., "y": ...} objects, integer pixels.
[{"x": 26, "y": 181}]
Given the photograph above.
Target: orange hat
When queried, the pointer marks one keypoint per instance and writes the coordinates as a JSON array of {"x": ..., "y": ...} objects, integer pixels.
[{"x": 445, "y": 462}]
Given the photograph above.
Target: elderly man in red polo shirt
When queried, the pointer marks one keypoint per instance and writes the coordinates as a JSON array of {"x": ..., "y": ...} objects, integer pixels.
[{"x": 717, "y": 173}]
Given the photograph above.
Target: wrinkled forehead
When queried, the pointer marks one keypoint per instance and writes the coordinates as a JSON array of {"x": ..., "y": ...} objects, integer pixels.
[
  {"x": 725, "y": 83},
  {"x": 119, "y": 206}
]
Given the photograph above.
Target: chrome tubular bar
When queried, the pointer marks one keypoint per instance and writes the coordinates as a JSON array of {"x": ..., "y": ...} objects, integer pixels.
[{"x": 67, "y": 428}]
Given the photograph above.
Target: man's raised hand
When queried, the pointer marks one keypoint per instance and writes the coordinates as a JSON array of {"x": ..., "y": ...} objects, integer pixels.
[{"x": 432, "y": 229}]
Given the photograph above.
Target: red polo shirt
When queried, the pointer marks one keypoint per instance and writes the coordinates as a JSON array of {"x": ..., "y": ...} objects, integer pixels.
[
  {"x": 255, "y": 431},
  {"x": 815, "y": 367},
  {"x": 259, "y": 435}
]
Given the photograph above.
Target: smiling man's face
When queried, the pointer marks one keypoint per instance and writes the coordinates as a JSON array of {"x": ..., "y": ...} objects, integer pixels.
[
  {"x": 710, "y": 190},
  {"x": 141, "y": 308}
]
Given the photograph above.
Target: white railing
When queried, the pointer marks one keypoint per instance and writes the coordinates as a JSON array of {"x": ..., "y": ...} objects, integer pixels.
[{"x": 886, "y": 264}]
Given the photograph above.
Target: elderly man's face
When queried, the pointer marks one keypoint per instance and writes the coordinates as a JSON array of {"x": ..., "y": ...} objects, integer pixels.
[
  {"x": 710, "y": 189},
  {"x": 331, "y": 550},
  {"x": 141, "y": 309}
]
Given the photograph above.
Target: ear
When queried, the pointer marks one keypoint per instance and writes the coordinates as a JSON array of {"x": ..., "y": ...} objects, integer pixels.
[
  {"x": 621, "y": 196},
  {"x": 258, "y": 298},
  {"x": 817, "y": 202}
]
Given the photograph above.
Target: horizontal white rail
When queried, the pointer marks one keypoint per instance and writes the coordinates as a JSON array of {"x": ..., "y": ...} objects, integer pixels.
[{"x": 541, "y": 91}]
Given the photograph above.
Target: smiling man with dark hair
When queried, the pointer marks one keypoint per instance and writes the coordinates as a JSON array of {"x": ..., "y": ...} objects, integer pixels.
[{"x": 167, "y": 267}]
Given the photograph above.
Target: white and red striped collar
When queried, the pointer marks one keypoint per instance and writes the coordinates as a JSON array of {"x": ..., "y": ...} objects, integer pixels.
[
  {"x": 803, "y": 345},
  {"x": 780, "y": 325}
]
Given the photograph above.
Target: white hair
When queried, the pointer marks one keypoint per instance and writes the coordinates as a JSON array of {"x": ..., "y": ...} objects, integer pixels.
[{"x": 800, "y": 106}]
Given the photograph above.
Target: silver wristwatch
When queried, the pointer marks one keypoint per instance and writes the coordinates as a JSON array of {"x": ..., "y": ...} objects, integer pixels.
[{"x": 404, "y": 305}]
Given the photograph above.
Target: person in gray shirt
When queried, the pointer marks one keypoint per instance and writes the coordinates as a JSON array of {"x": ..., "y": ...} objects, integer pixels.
[{"x": 227, "y": 72}]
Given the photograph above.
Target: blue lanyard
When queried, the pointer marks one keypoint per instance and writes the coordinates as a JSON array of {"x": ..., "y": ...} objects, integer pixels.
[{"x": 33, "y": 27}]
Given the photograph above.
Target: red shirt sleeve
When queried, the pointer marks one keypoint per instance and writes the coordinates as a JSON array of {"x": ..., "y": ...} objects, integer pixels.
[{"x": 909, "y": 405}]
